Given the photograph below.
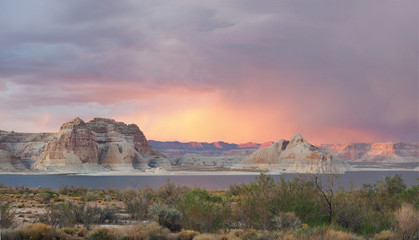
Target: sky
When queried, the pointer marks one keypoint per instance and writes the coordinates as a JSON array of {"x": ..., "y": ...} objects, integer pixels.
[{"x": 214, "y": 70}]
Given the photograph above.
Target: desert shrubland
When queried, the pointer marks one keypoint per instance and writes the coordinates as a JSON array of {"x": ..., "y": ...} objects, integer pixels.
[{"x": 301, "y": 208}]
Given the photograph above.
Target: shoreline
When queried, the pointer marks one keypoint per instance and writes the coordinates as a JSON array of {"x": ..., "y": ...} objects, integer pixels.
[{"x": 160, "y": 172}]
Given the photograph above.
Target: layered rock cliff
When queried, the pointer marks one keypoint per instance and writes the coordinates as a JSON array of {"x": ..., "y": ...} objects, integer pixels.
[
  {"x": 18, "y": 149},
  {"x": 99, "y": 142},
  {"x": 375, "y": 152},
  {"x": 121, "y": 145},
  {"x": 296, "y": 155}
]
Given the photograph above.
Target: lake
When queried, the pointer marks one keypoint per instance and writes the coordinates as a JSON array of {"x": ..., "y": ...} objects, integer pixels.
[{"x": 210, "y": 182}]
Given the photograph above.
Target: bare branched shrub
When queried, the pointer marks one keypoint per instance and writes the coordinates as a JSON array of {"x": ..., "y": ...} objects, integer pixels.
[
  {"x": 407, "y": 226},
  {"x": 69, "y": 213},
  {"x": 171, "y": 194},
  {"x": 138, "y": 202}
]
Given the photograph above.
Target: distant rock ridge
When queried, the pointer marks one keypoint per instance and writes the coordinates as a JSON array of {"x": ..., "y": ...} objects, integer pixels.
[
  {"x": 191, "y": 159},
  {"x": 204, "y": 145},
  {"x": 102, "y": 142},
  {"x": 296, "y": 155},
  {"x": 375, "y": 152},
  {"x": 176, "y": 149},
  {"x": 354, "y": 152}
]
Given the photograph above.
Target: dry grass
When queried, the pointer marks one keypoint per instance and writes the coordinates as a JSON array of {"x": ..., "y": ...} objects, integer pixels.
[
  {"x": 206, "y": 237},
  {"x": 385, "y": 235},
  {"x": 147, "y": 231},
  {"x": 37, "y": 231},
  {"x": 338, "y": 235}
]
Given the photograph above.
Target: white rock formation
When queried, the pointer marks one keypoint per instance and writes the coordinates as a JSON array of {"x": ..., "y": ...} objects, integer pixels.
[{"x": 296, "y": 155}]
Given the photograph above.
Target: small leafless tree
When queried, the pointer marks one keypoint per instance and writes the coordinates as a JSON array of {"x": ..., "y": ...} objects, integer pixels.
[{"x": 326, "y": 190}]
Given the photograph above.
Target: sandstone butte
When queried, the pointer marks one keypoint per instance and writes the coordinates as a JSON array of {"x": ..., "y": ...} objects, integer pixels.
[
  {"x": 99, "y": 142},
  {"x": 295, "y": 155}
]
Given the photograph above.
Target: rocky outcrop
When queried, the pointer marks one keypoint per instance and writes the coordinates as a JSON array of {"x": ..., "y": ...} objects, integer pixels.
[
  {"x": 79, "y": 145},
  {"x": 121, "y": 145},
  {"x": 296, "y": 155},
  {"x": 20, "y": 149},
  {"x": 375, "y": 152},
  {"x": 75, "y": 145}
]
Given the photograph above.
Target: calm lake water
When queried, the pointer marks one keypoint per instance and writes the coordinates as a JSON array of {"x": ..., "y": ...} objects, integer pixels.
[{"x": 212, "y": 182}]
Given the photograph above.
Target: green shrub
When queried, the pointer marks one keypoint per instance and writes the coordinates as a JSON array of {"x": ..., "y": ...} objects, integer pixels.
[
  {"x": 167, "y": 217},
  {"x": 47, "y": 196},
  {"x": 107, "y": 215},
  {"x": 90, "y": 196},
  {"x": 201, "y": 212},
  {"x": 59, "y": 215},
  {"x": 8, "y": 216},
  {"x": 100, "y": 234}
]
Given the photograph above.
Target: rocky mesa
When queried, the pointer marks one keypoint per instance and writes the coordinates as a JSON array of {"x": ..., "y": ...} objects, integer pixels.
[
  {"x": 100, "y": 142},
  {"x": 296, "y": 155}
]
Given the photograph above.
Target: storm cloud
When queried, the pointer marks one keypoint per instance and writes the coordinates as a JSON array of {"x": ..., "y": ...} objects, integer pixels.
[{"x": 336, "y": 71}]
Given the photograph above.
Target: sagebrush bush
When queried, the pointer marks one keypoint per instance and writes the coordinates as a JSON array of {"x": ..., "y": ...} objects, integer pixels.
[
  {"x": 167, "y": 217},
  {"x": 286, "y": 221},
  {"x": 90, "y": 196}
]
